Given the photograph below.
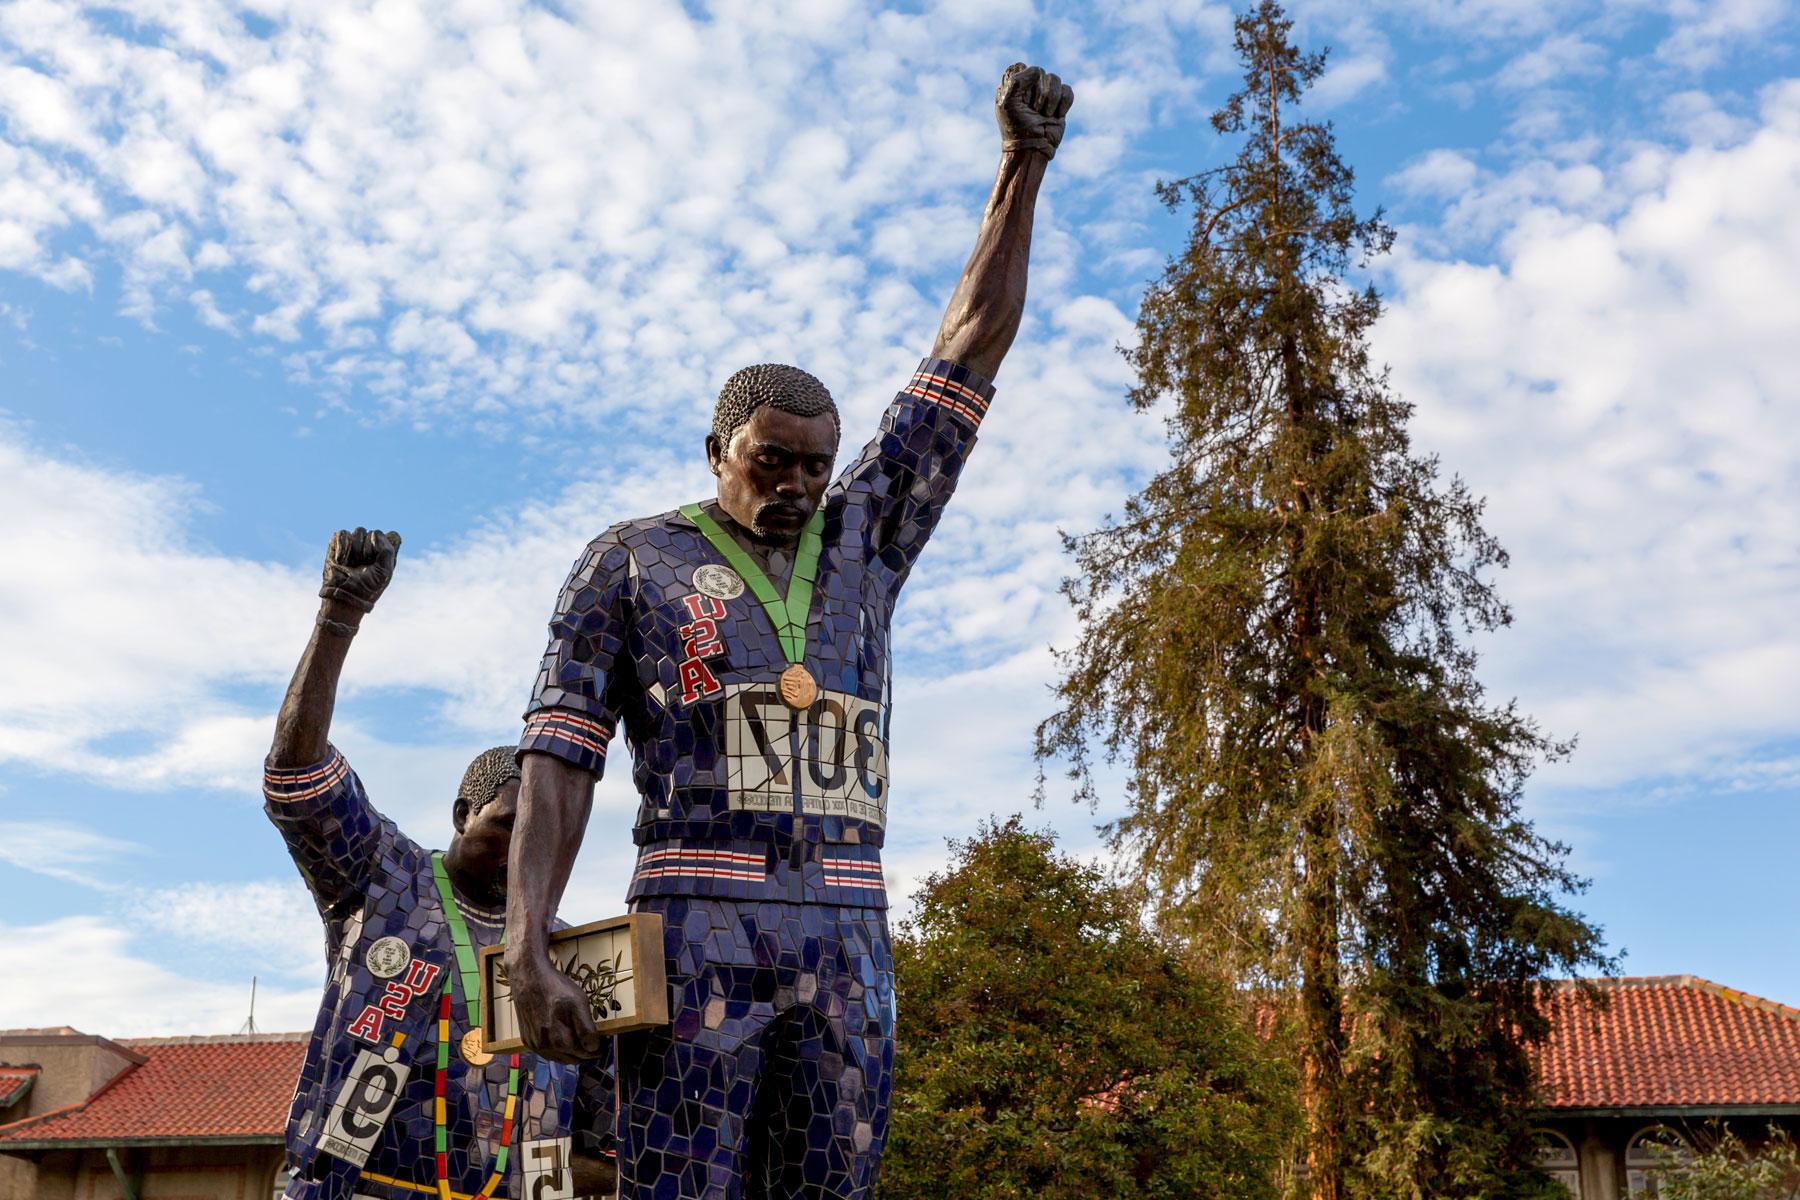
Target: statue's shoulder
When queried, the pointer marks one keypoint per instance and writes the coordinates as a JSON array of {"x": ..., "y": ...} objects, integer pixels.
[{"x": 619, "y": 546}]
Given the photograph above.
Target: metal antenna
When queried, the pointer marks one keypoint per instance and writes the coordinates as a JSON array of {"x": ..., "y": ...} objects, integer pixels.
[{"x": 250, "y": 1024}]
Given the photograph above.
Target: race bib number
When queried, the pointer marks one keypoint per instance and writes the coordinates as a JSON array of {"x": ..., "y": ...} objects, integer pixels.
[
  {"x": 832, "y": 758},
  {"x": 362, "y": 1107},
  {"x": 549, "y": 1170}
]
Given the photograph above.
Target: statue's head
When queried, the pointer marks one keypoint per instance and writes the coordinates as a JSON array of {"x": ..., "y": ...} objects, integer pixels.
[
  {"x": 486, "y": 803},
  {"x": 773, "y": 442}
]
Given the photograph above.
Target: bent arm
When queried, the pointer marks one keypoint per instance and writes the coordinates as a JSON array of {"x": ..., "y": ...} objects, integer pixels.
[{"x": 984, "y": 312}]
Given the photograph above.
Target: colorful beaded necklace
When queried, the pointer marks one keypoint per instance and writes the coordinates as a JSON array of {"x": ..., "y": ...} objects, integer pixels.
[{"x": 465, "y": 962}]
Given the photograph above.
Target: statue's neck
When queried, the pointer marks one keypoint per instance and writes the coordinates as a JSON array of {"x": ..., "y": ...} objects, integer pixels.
[{"x": 775, "y": 558}]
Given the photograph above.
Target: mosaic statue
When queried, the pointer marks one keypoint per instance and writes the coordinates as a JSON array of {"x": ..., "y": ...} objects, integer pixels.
[
  {"x": 398, "y": 1027},
  {"x": 743, "y": 641},
  {"x": 744, "y": 644}
]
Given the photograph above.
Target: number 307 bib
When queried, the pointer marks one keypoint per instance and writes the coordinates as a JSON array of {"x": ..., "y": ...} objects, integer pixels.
[{"x": 830, "y": 760}]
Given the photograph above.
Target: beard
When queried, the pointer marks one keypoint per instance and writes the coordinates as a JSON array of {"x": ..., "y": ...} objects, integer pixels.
[{"x": 778, "y": 521}]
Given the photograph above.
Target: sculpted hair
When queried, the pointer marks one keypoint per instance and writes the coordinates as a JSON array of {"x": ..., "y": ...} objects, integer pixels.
[
  {"x": 491, "y": 771},
  {"x": 787, "y": 388}
]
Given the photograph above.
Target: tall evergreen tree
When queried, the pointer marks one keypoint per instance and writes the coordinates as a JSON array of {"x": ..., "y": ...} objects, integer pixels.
[{"x": 1275, "y": 641}]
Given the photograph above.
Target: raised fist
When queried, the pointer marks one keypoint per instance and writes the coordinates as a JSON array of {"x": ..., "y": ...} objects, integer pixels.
[
  {"x": 358, "y": 566},
  {"x": 1030, "y": 105}
]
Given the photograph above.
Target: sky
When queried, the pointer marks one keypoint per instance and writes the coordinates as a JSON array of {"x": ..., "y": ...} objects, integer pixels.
[{"x": 474, "y": 269}]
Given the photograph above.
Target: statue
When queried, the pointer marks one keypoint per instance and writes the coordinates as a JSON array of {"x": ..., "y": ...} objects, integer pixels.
[
  {"x": 744, "y": 643},
  {"x": 397, "y": 1027}
]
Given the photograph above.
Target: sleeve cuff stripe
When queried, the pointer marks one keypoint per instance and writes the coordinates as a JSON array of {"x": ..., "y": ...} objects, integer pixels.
[
  {"x": 950, "y": 385},
  {"x": 961, "y": 410},
  {"x": 304, "y": 774},
  {"x": 543, "y": 721},
  {"x": 597, "y": 749},
  {"x": 585, "y": 735},
  {"x": 935, "y": 385},
  {"x": 322, "y": 780},
  {"x": 955, "y": 372}
]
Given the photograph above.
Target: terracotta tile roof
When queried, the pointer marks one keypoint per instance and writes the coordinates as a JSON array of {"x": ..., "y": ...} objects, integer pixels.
[
  {"x": 233, "y": 1089},
  {"x": 1670, "y": 1041},
  {"x": 15, "y": 1082}
]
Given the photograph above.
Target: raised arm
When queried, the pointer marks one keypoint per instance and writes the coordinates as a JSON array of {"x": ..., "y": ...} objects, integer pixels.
[
  {"x": 984, "y": 312},
  {"x": 358, "y": 566}
]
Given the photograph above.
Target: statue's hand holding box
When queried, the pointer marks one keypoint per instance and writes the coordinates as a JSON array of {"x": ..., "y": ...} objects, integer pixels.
[{"x": 617, "y": 963}]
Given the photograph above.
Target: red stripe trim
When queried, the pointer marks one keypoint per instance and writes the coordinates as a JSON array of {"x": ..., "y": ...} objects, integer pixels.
[
  {"x": 593, "y": 727},
  {"x": 700, "y": 873},
  {"x": 301, "y": 774},
  {"x": 953, "y": 405},
  {"x": 571, "y": 738},
  {"x": 736, "y": 856},
  {"x": 331, "y": 780},
  {"x": 948, "y": 384}
]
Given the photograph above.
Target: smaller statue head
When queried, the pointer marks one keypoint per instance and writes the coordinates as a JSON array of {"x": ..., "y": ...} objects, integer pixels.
[
  {"x": 773, "y": 443},
  {"x": 486, "y": 803}
]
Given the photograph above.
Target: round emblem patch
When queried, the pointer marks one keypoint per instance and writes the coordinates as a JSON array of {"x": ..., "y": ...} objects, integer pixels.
[
  {"x": 387, "y": 957},
  {"x": 719, "y": 582}
]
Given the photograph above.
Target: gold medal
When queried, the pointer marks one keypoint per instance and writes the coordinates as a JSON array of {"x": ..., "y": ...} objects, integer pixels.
[
  {"x": 798, "y": 688},
  {"x": 474, "y": 1049}
]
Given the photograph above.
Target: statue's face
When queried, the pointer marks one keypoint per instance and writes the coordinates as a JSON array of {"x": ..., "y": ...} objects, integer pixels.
[
  {"x": 486, "y": 835},
  {"x": 773, "y": 475}
]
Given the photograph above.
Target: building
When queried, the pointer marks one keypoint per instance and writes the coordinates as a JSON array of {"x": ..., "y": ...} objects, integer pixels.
[
  {"x": 194, "y": 1118},
  {"x": 1671, "y": 1060}
]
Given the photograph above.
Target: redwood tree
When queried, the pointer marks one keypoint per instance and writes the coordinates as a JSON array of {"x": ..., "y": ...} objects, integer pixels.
[{"x": 1275, "y": 640}]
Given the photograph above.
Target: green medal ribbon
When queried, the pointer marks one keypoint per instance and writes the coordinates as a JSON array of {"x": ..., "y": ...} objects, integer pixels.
[
  {"x": 459, "y": 934},
  {"x": 789, "y": 615}
]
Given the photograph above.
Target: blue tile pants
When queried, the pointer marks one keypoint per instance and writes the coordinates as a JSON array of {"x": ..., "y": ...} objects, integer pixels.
[{"x": 771, "y": 1080}]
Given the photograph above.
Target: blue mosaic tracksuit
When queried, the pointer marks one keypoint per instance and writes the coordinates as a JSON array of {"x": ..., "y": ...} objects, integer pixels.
[
  {"x": 759, "y": 835},
  {"x": 390, "y": 951}
]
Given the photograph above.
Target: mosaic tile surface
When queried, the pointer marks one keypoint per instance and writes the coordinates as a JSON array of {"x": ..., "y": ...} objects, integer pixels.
[
  {"x": 778, "y": 1057},
  {"x": 760, "y": 828},
  {"x": 362, "y": 1120}
]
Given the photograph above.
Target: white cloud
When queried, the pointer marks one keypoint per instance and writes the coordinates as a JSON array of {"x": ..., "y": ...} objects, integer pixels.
[
  {"x": 504, "y": 216},
  {"x": 102, "y": 583},
  {"x": 1559, "y": 59},
  {"x": 1348, "y": 77},
  {"x": 85, "y": 972},
  {"x": 1438, "y": 173},
  {"x": 1618, "y": 385},
  {"x": 1704, "y": 29},
  {"x": 61, "y": 851},
  {"x": 261, "y": 926},
  {"x": 454, "y": 207}
]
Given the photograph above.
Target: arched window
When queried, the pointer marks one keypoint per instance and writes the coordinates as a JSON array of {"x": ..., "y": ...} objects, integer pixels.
[
  {"x": 1556, "y": 1154},
  {"x": 278, "y": 1188},
  {"x": 1649, "y": 1153}
]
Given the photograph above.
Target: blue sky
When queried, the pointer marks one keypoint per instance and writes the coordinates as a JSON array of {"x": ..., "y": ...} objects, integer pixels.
[{"x": 473, "y": 271}]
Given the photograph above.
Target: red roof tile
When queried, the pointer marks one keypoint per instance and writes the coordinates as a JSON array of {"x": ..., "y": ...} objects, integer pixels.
[
  {"x": 1670, "y": 1041},
  {"x": 15, "y": 1082},
  {"x": 188, "y": 1089}
]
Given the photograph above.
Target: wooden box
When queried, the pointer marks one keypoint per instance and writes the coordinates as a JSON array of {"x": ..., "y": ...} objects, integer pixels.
[{"x": 618, "y": 962}]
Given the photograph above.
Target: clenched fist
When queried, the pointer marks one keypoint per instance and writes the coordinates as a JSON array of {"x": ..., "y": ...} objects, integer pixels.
[
  {"x": 358, "y": 565},
  {"x": 1030, "y": 105}
]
